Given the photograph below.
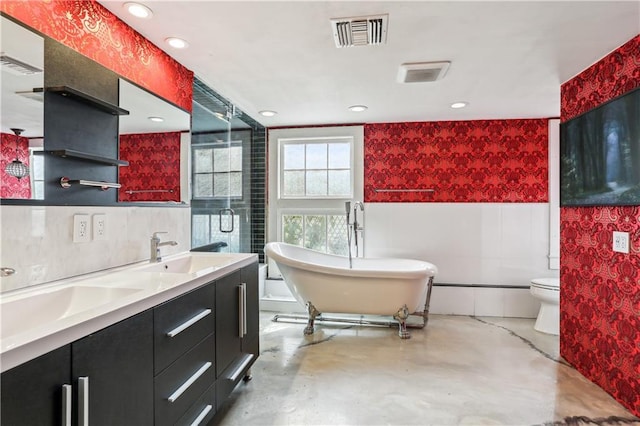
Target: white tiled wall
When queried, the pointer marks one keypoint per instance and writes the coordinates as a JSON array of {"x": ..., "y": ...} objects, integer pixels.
[
  {"x": 470, "y": 243},
  {"x": 37, "y": 240}
]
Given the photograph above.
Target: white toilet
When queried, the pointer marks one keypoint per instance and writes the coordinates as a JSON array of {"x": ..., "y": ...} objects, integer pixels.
[{"x": 547, "y": 290}]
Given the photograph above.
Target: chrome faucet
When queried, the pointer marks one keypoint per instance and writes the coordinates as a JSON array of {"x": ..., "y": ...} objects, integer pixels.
[
  {"x": 156, "y": 256},
  {"x": 356, "y": 226}
]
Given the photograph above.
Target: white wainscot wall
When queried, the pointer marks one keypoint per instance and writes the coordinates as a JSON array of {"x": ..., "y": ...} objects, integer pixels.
[
  {"x": 472, "y": 244},
  {"x": 37, "y": 241}
]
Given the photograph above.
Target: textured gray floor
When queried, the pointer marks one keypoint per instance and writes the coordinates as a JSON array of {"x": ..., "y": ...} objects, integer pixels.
[{"x": 457, "y": 371}]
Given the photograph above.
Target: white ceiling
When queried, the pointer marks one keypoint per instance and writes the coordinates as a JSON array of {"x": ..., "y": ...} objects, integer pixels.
[{"x": 508, "y": 59}]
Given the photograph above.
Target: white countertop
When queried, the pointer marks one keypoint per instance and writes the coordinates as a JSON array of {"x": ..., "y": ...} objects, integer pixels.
[{"x": 38, "y": 319}]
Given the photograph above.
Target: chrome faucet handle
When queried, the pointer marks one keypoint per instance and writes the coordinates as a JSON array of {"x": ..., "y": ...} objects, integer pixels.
[{"x": 155, "y": 234}]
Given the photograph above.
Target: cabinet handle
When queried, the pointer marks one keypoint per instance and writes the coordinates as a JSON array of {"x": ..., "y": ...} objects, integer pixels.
[
  {"x": 67, "y": 391},
  {"x": 182, "y": 327},
  {"x": 175, "y": 395},
  {"x": 83, "y": 401},
  {"x": 244, "y": 309},
  {"x": 240, "y": 311},
  {"x": 245, "y": 362},
  {"x": 202, "y": 415}
]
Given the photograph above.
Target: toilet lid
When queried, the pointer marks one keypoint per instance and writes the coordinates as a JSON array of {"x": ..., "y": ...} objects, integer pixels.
[{"x": 548, "y": 283}]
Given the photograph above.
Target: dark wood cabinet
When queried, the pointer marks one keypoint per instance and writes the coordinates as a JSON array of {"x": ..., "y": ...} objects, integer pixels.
[
  {"x": 32, "y": 393},
  {"x": 237, "y": 329},
  {"x": 118, "y": 363},
  {"x": 115, "y": 363},
  {"x": 174, "y": 364}
]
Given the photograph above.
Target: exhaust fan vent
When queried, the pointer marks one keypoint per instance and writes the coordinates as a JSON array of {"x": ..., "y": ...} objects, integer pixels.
[
  {"x": 360, "y": 31},
  {"x": 15, "y": 66},
  {"x": 422, "y": 72}
]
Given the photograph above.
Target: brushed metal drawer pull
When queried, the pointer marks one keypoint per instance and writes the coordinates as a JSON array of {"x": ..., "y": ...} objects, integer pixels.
[
  {"x": 66, "y": 405},
  {"x": 83, "y": 401},
  {"x": 182, "y": 327},
  {"x": 202, "y": 415},
  {"x": 189, "y": 382},
  {"x": 245, "y": 362}
]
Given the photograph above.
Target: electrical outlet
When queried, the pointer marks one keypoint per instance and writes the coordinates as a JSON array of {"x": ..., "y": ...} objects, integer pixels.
[
  {"x": 621, "y": 242},
  {"x": 81, "y": 228},
  {"x": 99, "y": 227}
]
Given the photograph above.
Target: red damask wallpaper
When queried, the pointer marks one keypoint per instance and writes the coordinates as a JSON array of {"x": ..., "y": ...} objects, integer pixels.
[
  {"x": 90, "y": 29},
  {"x": 600, "y": 289},
  {"x": 463, "y": 161},
  {"x": 153, "y": 173},
  {"x": 12, "y": 187}
]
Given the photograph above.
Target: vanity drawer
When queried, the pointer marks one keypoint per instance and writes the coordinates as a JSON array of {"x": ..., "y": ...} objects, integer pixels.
[
  {"x": 202, "y": 411},
  {"x": 181, "y": 323},
  {"x": 178, "y": 387}
]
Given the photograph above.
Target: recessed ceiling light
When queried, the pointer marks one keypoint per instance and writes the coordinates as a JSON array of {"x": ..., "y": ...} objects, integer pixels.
[
  {"x": 267, "y": 113},
  {"x": 457, "y": 105},
  {"x": 138, "y": 10},
  {"x": 358, "y": 108},
  {"x": 156, "y": 119},
  {"x": 176, "y": 42}
]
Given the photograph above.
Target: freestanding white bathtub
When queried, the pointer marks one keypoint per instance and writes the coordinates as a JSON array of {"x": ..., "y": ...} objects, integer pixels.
[{"x": 325, "y": 283}]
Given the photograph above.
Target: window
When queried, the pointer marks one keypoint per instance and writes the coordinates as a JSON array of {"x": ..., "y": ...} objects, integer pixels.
[
  {"x": 315, "y": 171},
  {"x": 217, "y": 171},
  {"x": 316, "y": 168}
]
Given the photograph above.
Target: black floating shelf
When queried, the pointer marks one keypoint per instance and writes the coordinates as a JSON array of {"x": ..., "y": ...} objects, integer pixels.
[
  {"x": 87, "y": 99},
  {"x": 69, "y": 153}
]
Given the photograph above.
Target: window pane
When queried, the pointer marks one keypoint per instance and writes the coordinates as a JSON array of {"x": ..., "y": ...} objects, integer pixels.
[
  {"x": 337, "y": 235},
  {"x": 37, "y": 164},
  {"x": 293, "y": 157},
  {"x": 339, "y": 156},
  {"x": 315, "y": 232},
  {"x": 221, "y": 185},
  {"x": 203, "y": 185},
  {"x": 339, "y": 182},
  {"x": 235, "y": 160},
  {"x": 293, "y": 184},
  {"x": 317, "y": 156},
  {"x": 203, "y": 163},
  {"x": 292, "y": 229},
  {"x": 316, "y": 182},
  {"x": 221, "y": 159},
  {"x": 235, "y": 184}
]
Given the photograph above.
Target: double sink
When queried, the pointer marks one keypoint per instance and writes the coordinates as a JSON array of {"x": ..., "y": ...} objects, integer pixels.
[{"x": 32, "y": 314}]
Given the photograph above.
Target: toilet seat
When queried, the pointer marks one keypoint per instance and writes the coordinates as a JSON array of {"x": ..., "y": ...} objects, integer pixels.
[{"x": 546, "y": 283}]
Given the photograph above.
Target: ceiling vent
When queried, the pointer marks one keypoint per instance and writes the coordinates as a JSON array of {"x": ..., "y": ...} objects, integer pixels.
[
  {"x": 422, "y": 72},
  {"x": 360, "y": 31},
  {"x": 15, "y": 66}
]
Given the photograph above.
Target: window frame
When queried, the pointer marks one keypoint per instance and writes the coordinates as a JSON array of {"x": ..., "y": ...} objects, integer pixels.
[{"x": 213, "y": 146}]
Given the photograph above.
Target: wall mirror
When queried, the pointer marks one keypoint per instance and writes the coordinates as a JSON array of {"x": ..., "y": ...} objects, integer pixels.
[
  {"x": 23, "y": 59},
  {"x": 22, "y": 108}
]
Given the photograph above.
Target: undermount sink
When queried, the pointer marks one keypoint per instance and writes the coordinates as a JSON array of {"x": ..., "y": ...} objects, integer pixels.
[
  {"x": 191, "y": 264},
  {"x": 33, "y": 311}
]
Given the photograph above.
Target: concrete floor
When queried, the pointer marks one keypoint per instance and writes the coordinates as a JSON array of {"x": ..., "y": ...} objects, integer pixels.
[{"x": 459, "y": 370}]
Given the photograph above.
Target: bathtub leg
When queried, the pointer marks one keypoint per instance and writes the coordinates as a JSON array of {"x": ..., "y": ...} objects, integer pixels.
[
  {"x": 313, "y": 314},
  {"x": 401, "y": 316}
]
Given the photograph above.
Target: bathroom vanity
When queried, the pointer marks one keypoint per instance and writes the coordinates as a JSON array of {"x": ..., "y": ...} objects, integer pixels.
[{"x": 167, "y": 351}]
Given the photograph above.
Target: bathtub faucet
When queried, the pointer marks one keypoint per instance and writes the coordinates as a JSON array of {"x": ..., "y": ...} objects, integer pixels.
[{"x": 357, "y": 227}]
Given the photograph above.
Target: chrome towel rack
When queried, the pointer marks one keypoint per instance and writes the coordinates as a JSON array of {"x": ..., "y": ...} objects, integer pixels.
[
  {"x": 138, "y": 191},
  {"x": 65, "y": 182},
  {"x": 404, "y": 190}
]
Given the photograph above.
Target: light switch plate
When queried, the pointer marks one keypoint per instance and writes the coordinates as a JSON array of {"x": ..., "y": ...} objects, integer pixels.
[
  {"x": 99, "y": 227},
  {"x": 621, "y": 242},
  {"x": 81, "y": 228}
]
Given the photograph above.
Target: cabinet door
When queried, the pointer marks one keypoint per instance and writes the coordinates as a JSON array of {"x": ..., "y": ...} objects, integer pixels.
[
  {"x": 119, "y": 364},
  {"x": 228, "y": 339},
  {"x": 251, "y": 340},
  {"x": 32, "y": 392}
]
